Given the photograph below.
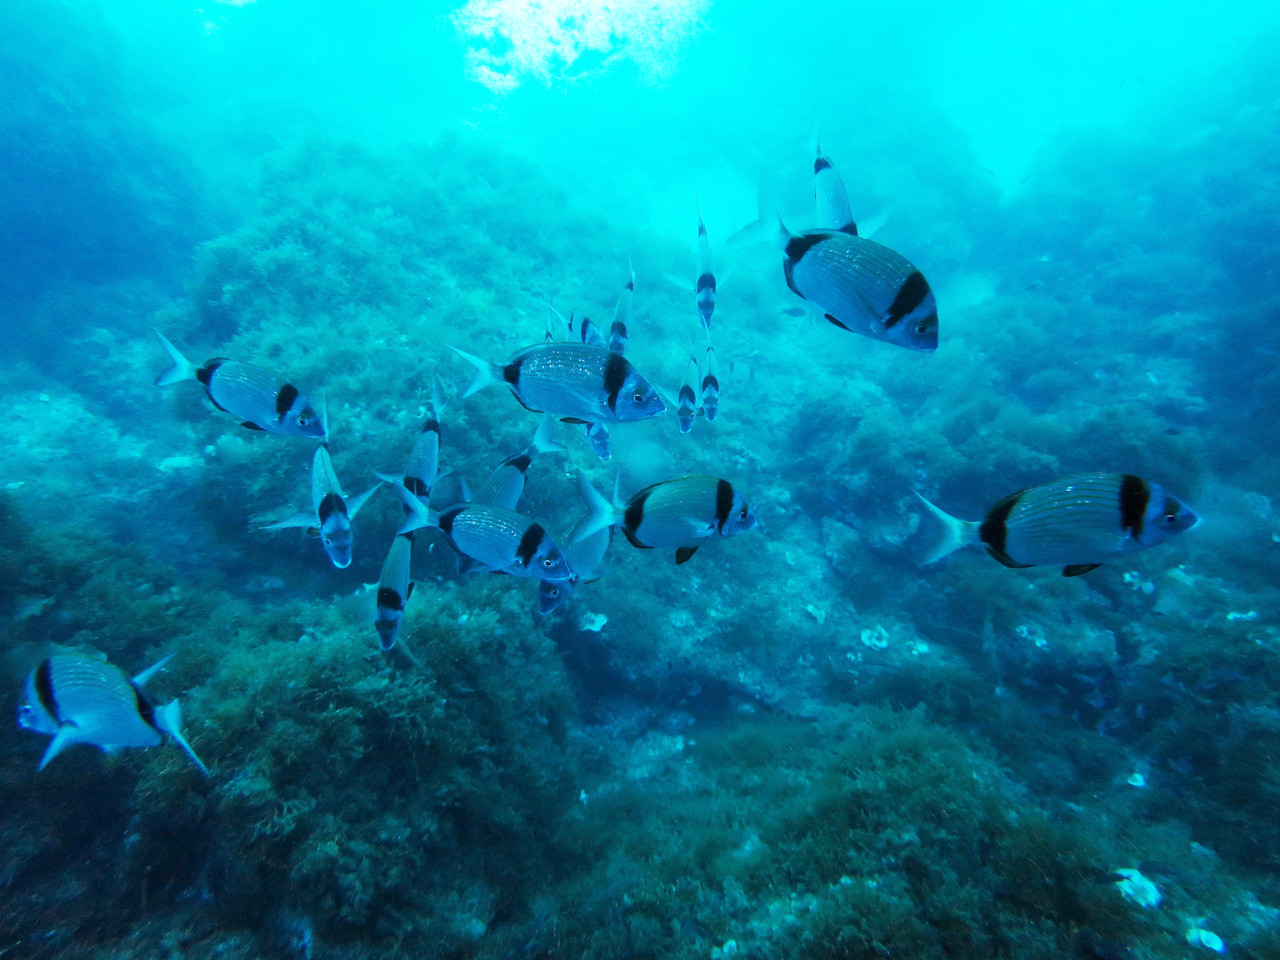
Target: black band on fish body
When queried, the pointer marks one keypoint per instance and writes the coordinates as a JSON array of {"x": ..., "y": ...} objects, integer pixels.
[
  {"x": 1135, "y": 495},
  {"x": 724, "y": 503},
  {"x": 445, "y": 522},
  {"x": 633, "y": 516},
  {"x": 687, "y": 395},
  {"x": 822, "y": 163},
  {"x": 994, "y": 531},
  {"x": 285, "y": 398},
  {"x": 710, "y": 381},
  {"x": 520, "y": 461},
  {"x": 417, "y": 486},
  {"x": 205, "y": 373},
  {"x": 529, "y": 543},
  {"x": 331, "y": 504},
  {"x": 511, "y": 372},
  {"x": 431, "y": 426},
  {"x": 390, "y": 599},
  {"x": 615, "y": 375},
  {"x": 910, "y": 295},
  {"x": 145, "y": 710},
  {"x": 634, "y": 540},
  {"x": 706, "y": 281},
  {"x": 702, "y": 229},
  {"x": 44, "y": 689},
  {"x": 797, "y": 247}
]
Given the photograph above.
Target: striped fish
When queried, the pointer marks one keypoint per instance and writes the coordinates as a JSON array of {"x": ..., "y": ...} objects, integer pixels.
[
  {"x": 332, "y": 512},
  {"x": 259, "y": 398},
  {"x": 82, "y": 699},
  {"x": 674, "y": 513},
  {"x": 834, "y": 212},
  {"x": 861, "y": 286},
  {"x": 505, "y": 485},
  {"x": 1079, "y": 522},
  {"x": 584, "y": 556}
]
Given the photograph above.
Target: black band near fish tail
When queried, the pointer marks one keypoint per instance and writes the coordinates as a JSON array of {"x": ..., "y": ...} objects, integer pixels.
[
  {"x": 511, "y": 372},
  {"x": 445, "y": 523},
  {"x": 331, "y": 504},
  {"x": 910, "y": 295},
  {"x": 633, "y": 516},
  {"x": 390, "y": 599},
  {"x": 705, "y": 282},
  {"x": 205, "y": 373},
  {"x": 520, "y": 461},
  {"x": 529, "y": 543},
  {"x": 724, "y": 503},
  {"x": 44, "y": 690},
  {"x": 417, "y": 486},
  {"x": 822, "y": 163},
  {"x": 431, "y": 426},
  {"x": 1135, "y": 496},
  {"x": 615, "y": 375},
  {"x": 797, "y": 247},
  {"x": 994, "y": 530},
  {"x": 285, "y": 398},
  {"x": 145, "y": 710}
]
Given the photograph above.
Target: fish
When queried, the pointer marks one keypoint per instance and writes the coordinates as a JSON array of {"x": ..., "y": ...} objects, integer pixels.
[
  {"x": 861, "y": 286},
  {"x": 506, "y": 484},
  {"x": 586, "y": 330},
  {"x": 705, "y": 285},
  {"x": 498, "y": 539},
  {"x": 710, "y": 387},
  {"x": 598, "y": 438},
  {"x": 423, "y": 467},
  {"x": 82, "y": 699},
  {"x": 261, "y": 399},
  {"x": 618, "y": 330},
  {"x": 332, "y": 512},
  {"x": 394, "y": 590},
  {"x": 687, "y": 403},
  {"x": 676, "y": 513},
  {"x": 1078, "y": 522},
  {"x": 834, "y": 212},
  {"x": 584, "y": 558}
]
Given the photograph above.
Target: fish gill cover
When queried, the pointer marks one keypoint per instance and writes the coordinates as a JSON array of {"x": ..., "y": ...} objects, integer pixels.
[{"x": 796, "y": 744}]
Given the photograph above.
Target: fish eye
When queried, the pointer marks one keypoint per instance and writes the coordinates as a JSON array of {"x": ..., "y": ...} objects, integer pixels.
[
  {"x": 742, "y": 514},
  {"x": 302, "y": 420},
  {"x": 639, "y": 398},
  {"x": 554, "y": 592},
  {"x": 548, "y": 562},
  {"x": 1170, "y": 518},
  {"x": 922, "y": 328}
]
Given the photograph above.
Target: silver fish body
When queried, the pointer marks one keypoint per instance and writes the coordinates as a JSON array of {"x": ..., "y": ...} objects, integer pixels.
[
  {"x": 862, "y": 286},
  {"x": 260, "y": 399},
  {"x": 332, "y": 512},
  {"x": 394, "y": 590},
  {"x": 710, "y": 387},
  {"x": 423, "y": 467},
  {"x": 1078, "y": 522},
  {"x": 687, "y": 401},
  {"x": 705, "y": 284},
  {"x": 834, "y": 212},
  {"x": 81, "y": 699},
  {"x": 506, "y": 484},
  {"x": 584, "y": 557},
  {"x": 619, "y": 330},
  {"x": 503, "y": 541}
]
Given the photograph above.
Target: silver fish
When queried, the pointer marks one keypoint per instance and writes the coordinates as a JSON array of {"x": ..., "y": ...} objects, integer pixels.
[
  {"x": 584, "y": 556},
  {"x": 619, "y": 330},
  {"x": 394, "y": 590},
  {"x": 1079, "y": 522},
  {"x": 506, "y": 484},
  {"x": 861, "y": 286},
  {"x": 332, "y": 512},
  {"x": 674, "y": 513},
  {"x": 259, "y": 398},
  {"x": 687, "y": 403},
  {"x": 499, "y": 540},
  {"x": 598, "y": 437},
  {"x": 82, "y": 699},
  {"x": 705, "y": 285},
  {"x": 710, "y": 387},
  {"x": 834, "y": 212},
  {"x": 423, "y": 467}
]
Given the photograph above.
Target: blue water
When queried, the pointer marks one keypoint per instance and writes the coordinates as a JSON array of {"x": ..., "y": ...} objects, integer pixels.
[{"x": 800, "y": 743}]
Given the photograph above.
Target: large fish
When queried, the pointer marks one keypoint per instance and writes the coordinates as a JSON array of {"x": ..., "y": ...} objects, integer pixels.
[
  {"x": 332, "y": 512},
  {"x": 394, "y": 590},
  {"x": 584, "y": 558},
  {"x": 499, "y": 540},
  {"x": 259, "y": 398},
  {"x": 82, "y": 699},
  {"x": 674, "y": 513},
  {"x": 861, "y": 286},
  {"x": 1079, "y": 522}
]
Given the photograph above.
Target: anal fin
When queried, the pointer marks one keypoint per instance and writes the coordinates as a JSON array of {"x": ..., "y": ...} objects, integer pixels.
[
  {"x": 1007, "y": 560},
  {"x": 684, "y": 553},
  {"x": 1075, "y": 569},
  {"x": 249, "y": 425},
  {"x": 67, "y": 734}
]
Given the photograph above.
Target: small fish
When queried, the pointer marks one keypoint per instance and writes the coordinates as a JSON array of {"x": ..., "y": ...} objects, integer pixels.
[
  {"x": 710, "y": 387},
  {"x": 332, "y": 511},
  {"x": 861, "y": 286},
  {"x": 423, "y": 468},
  {"x": 1079, "y": 522},
  {"x": 83, "y": 699},
  {"x": 687, "y": 403},
  {"x": 834, "y": 212},
  {"x": 506, "y": 484},
  {"x": 394, "y": 590},
  {"x": 598, "y": 438},
  {"x": 705, "y": 285},
  {"x": 262, "y": 400},
  {"x": 618, "y": 330},
  {"x": 586, "y": 330},
  {"x": 584, "y": 558},
  {"x": 674, "y": 513},
  {"x": 499, "y": 540}
]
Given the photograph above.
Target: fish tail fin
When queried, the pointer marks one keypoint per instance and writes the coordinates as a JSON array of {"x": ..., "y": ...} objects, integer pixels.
[
  {"x": 169, "y": 720},
  {"x": 322, "y": 401},
  {"x": 65, "y": 736},
  {"x": 359, "y": 500},
  {"x": 942, "y": 534},
  {"x": 486, "y": 372},
  {"x": 542, "y": 442},
  {"x": 600, "y": 512},
  {"x": 419, "y": 516},
  {"x": 438, "y": 402},
  {"x": 151, "y": 671},
  {"x": 182, "y": 369}
]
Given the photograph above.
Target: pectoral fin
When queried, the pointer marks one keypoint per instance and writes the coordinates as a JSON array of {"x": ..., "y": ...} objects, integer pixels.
[
  {"x": 684, "y": 553},
  {"x": 1075, "y": 569},
  {"x": 67, "y": 734},
  {"x": 250, "y": 426}
]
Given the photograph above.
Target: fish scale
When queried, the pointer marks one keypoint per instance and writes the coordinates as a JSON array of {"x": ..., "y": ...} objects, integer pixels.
[
  {"x": 1069, "y": 522},
  {"x": 240, "y": 386},
  {"x": 567, "y": 379},
  {"x": 854, "y": 275},
  {"x": 102, "y": 700},
  {"x": 489, "y": 534},
  {"x": 676, "y": 511}
]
